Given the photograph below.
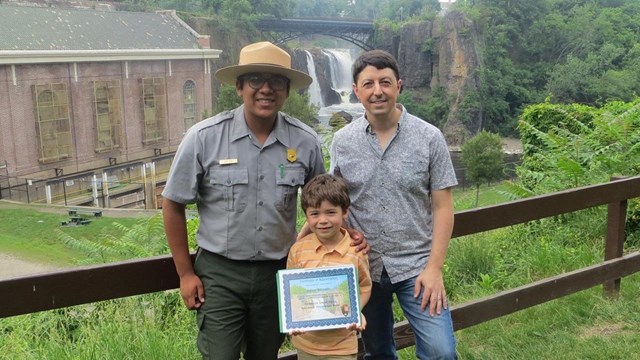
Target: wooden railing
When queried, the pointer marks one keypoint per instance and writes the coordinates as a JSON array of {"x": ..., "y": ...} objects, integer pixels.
[{"x": 103, "y": 282}]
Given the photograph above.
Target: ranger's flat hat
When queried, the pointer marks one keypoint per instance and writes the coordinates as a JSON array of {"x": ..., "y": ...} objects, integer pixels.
[{"x": 267, "y": 58}]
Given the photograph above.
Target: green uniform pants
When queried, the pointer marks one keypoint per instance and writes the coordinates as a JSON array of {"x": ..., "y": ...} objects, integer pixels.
[{"x": 240, "y": 308}]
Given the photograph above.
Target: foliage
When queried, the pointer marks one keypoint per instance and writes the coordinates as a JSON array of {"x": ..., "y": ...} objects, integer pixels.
[
  {"x": 483, "y": 157},
  {"x": 144, "y": 239},
  {"x": 575, "y": 51},
  {"x": 396, "y": 10},
  {"x": 632, "y": 228},
  {"x": 429, "y": 46},
  {"x": 204, "y": 114},
  {"x": 573, "y": 145},
  {"x": 230, "y": 9},
  {"x": 337, "y": 121},
  {"x": 434, "y": 109},
  {"x": 298, "y": 106},
  {"x": 227, "y": 99}
]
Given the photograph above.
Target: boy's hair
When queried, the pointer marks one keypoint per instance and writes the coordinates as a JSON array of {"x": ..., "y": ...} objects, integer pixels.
[
  {"x": 325, "y": 187},
  {"x": 379, "y": 59}
]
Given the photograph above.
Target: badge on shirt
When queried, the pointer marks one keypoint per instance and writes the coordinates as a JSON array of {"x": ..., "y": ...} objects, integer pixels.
[
  {"x": 292, "y": 155},
  {"x": 227, "y": 161}
]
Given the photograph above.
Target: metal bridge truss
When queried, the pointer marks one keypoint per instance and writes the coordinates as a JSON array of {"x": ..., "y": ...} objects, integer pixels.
[{"x": 279, "y": 31}]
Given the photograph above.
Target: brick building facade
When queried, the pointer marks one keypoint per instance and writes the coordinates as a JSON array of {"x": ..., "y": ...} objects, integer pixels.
[{"x": 84, "y": 90}]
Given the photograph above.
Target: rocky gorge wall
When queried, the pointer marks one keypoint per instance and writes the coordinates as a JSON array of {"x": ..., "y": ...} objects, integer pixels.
[{"x": 441, "y": 53}]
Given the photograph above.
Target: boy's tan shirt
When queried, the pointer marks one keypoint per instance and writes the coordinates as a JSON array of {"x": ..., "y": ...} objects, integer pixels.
[{"x": 309, "y": 252}]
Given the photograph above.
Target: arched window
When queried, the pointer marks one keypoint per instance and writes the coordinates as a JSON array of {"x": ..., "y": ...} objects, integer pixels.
[
  {"x": 52, "y": 117},
  {"x": 189, "y": 104}
]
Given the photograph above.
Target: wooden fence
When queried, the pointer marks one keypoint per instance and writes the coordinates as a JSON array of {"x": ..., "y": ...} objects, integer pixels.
[{"x": 103, "y": 282}]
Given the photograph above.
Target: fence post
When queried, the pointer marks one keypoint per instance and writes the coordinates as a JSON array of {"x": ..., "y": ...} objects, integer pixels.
[{"x": 616, "y": 219}]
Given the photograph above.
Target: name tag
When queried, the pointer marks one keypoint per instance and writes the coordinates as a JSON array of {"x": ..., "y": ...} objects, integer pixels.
[{"x": 227, "y": 161}]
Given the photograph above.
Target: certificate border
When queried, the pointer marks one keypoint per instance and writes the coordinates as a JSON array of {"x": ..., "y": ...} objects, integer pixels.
[{"x": 285, "y": 277}]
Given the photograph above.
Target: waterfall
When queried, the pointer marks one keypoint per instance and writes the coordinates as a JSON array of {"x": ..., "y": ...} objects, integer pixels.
[
  {"x": 340, "y": 70},
  {"x": 339, "y": 63},
  {"x": 315, "y": 96}
]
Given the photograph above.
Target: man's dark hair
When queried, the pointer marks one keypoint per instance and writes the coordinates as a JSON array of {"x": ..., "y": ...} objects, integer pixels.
[
  {"x": 379, "y": 59},
  {"x": 325, "y": 187}
]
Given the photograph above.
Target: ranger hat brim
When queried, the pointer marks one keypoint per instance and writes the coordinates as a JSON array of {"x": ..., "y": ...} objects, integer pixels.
[{"x": 264, "y": 57}]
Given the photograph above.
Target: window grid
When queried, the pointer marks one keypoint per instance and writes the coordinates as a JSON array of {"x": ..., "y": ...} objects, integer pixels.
[
  {"x": 189, "y": 104},
  {"x": 53, "y": 123},
  {"x": 108, "y": 115},
  {"x": 154, "y": 110}
]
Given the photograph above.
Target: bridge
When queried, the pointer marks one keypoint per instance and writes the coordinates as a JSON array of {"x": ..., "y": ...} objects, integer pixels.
[{"x": 279, "y": 31}]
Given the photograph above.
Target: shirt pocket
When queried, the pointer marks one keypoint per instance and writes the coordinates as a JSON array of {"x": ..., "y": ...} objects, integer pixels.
[
  {"x": 230, "y": 187},
  {"x": 412, "y": 175},
  {"x": 288, "y": 181}
]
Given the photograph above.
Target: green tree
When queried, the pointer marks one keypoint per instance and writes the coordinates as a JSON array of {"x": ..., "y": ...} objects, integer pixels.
[
  {"x": 483, "y": 159},
  {"x": 299, "y": 107},
  {"x": 577, "y": 51},
  {"x": 227, "y": 99}
]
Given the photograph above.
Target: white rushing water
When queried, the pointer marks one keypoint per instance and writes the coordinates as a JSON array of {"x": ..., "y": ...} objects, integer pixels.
[
  {"x": 340, "y": 68},
  {"x": 341, "y": 81},
  {"x": 315, "y": 96}
]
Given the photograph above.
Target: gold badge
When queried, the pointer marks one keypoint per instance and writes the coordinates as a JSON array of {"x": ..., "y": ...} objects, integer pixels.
[{"x": 292, "y": 155}]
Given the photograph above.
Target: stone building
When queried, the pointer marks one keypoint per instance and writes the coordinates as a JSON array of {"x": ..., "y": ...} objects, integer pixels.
[{"x": 93, "y": 98}]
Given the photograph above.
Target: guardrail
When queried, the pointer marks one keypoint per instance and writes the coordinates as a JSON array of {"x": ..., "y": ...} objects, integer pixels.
[{"x": 103, "y": 282}]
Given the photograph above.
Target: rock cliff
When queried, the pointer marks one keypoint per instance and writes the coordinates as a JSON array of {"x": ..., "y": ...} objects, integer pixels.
[{"x": 441, "y": 53}]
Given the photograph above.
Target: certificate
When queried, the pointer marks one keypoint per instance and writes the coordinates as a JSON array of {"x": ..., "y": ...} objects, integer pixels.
[{"x": 318, "y": 298}]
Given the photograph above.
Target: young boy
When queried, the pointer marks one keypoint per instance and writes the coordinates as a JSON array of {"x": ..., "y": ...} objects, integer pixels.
[{"x": 325, "y": 202}]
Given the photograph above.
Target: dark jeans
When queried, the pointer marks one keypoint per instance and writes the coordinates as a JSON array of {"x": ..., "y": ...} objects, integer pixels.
[{"x": 241, "y": 307}]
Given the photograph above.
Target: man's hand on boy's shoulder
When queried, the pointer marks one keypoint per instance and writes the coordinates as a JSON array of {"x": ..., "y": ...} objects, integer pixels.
[{"x": 358, "y": 240}]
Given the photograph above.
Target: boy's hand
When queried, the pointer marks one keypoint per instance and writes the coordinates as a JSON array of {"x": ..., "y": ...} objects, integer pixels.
[
  {"x": 358, "y": 240},
  {"x": 363, "y": 324},
  {"x": 296, "y": 332}
]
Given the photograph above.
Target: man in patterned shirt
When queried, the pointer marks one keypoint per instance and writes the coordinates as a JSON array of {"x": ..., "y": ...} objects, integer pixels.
[{"x": 399, "y": 175}]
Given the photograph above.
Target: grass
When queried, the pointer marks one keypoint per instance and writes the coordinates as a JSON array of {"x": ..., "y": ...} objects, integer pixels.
[
  {"x": 31, "y": 234},
  {"x": 581, "y": 326},
  {"x": 584, "y": 325},
  {"x": 489, "y": 195}
]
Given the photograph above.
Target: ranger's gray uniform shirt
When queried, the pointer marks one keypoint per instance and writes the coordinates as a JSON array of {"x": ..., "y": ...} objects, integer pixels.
[
  {"x": 390, "y": 190},
  {"x": 246, "y": 192}
]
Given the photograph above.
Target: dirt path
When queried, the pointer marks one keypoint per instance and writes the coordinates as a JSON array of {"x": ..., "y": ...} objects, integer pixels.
[{"x": 11, "y": 266}]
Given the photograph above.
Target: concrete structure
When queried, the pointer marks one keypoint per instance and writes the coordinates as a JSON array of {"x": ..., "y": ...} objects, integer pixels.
[{"x": 81, "y": 90}]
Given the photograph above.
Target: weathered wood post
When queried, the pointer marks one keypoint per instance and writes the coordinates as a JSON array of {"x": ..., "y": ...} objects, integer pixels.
[{"x": 616, "y": 219}]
